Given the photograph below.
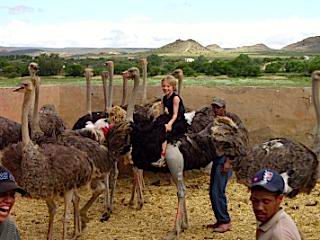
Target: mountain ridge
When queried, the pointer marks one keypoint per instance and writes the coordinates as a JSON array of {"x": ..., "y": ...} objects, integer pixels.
[{"x": 310, "y": 44}]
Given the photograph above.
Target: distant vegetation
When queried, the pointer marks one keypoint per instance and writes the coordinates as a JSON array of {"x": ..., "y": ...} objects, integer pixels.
[{"x": 240, "y": 66}]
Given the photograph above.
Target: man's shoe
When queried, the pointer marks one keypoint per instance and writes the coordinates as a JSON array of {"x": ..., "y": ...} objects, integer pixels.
[{"x": 224, "y": 227}]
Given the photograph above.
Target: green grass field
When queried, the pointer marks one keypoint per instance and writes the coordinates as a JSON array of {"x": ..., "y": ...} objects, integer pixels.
[{"x": 207, "y": 81}]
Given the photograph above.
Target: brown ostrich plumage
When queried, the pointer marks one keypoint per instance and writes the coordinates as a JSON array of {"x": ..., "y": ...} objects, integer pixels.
[
  {"x": 49, "y": 170},
  {"x": 10, "y": 132}
]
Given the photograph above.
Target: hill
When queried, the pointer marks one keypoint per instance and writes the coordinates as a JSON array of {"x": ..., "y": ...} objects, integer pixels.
[
  {"x": 215, "y": 47},
  {"x": 311, "y": 44},
  {"x": 7, "y": 51},
  {"x": 260, "y": 47},
  {"x": 181, "y": 46}
]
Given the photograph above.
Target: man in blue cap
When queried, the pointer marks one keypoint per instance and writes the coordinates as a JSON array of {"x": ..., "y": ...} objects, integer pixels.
[
  {"x": 8, "y": 188},
  {"x": 267, "y": 188}
]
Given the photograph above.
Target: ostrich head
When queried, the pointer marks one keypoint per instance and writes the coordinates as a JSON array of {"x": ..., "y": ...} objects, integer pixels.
[
  {"x": 88, "y": 72},
  {"x": 125, "y": 74},
  {"x": 33, "y": 68},
  {"x": 143, "y": 61},
  {"x": 48, "y": 109},
  {"x": 25, "y": 86},
  {"x": 178, "y": 73},
  {"x": 108, "y": 63},
  {"x": 104, "y": 74},
  {"x": 132, "y": 72}
]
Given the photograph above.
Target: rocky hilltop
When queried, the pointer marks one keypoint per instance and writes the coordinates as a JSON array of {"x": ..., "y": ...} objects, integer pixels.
[
  {"x": 181, "y": 46},
  {"x": 311, "y": 44},
  {"x": 260, "y": 47},
  {"x": 215, "y": 48}
]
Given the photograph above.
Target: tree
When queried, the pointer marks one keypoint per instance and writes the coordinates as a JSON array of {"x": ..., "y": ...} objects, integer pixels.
[
  {"x": 243, "y": 66},
  {"x": 314, "y": 64},
  {"x": 49, "y": 64},
  {"x": 296, "y": 66},
  {"x": 273, "y": 67},
  {"x": 154, "y": 60},
  {"x": 74, "y": 70}
]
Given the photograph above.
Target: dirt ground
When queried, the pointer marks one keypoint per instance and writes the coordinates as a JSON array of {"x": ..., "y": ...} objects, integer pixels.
[{"x": 156, "y": 218}]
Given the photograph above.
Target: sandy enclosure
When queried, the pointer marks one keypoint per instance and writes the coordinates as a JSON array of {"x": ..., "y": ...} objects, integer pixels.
[
  {"x": 267, "y": 112},
  {"x": 157, "y": 216}
]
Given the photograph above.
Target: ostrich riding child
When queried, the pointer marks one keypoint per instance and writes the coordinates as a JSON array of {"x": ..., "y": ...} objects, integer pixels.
[{"x": 173, "y": 105}]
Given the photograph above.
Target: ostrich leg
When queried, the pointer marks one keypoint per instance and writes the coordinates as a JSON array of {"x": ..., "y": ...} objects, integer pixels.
[
  {"x": 137, "y": 187},
  {"x": 98, "y": 189},
  {"x": 67, "y": 202},
  {"x": 76, "y": 211},
  {"x": 113, "y": 183},
  {"x": 175, "y": 163},
  {"x": 134, "y": 186},
  {"x": 52, "y": 208},
  {"x": 109, "y": 194}
]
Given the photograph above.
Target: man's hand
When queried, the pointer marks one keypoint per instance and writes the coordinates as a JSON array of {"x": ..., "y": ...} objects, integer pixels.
[{"x": 226, "y": 167}]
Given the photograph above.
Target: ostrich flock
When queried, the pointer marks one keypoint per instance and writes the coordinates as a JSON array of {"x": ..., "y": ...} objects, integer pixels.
[{"x": 50, "y": 161}]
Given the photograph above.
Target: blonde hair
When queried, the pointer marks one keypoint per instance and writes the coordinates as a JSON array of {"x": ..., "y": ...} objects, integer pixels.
[{"x": 171, "y": 80}]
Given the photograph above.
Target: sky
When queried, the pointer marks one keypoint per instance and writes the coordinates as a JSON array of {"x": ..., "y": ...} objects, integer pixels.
[{"x": 152, "y": 24}]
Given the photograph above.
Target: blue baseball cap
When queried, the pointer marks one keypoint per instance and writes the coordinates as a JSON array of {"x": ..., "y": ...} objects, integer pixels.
[
  {"x": 8, "y": 183},
  {"x": 269, "y": 180}
]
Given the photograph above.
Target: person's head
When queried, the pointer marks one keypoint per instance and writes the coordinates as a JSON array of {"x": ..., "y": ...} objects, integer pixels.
[
  {"x": 267, "y": 187},
  {"x": 8, "y": 188},
  {"x": 168, "y": 84},
  {"x": 218, "y": 106}
]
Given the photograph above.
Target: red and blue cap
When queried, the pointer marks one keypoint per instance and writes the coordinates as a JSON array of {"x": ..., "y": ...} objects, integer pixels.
[{"x": 268, "y": 179}]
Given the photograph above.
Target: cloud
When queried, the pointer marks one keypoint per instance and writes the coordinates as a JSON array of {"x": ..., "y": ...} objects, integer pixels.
[
  {"x": 143, "y": 32},
  {"x": 18, "y": 9}
]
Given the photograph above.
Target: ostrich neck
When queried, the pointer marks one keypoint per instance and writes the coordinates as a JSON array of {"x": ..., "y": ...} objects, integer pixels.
[
  {"x": 133, "y": 97},
  {"x": 31, "y": 108},
  {"x": 104, "y": 85},
  {"x": 180, "y": 79},
  {"x": 24, "y": 119},
  {"x": 144, "y": 83},
  {"x": 35, "y": 118},
  {"x": 110, "y": 90},
  {"x": 124, "y": 91},
  {"x": 88, "y": 81},
  {"x": 316, "y": 102}
]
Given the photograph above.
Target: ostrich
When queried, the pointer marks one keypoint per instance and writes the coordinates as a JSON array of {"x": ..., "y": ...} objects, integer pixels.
[
  {"x": 47, "y": 171},
  {"x": 297, "y": 164},
  {"x": 47, "y": 120},
  {"x": 90, "y": 116},
  {"x": 178, "y": 73},
  {"x": 50, "y": 124},
  {"x": 10, "y": 131}
]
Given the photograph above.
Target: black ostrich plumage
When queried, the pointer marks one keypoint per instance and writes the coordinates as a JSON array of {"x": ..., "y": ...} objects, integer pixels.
[
  {"x": 282, "y": 155},
  {"x": 93, "y": 117},
  {"x": 198, "y": 149}
]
